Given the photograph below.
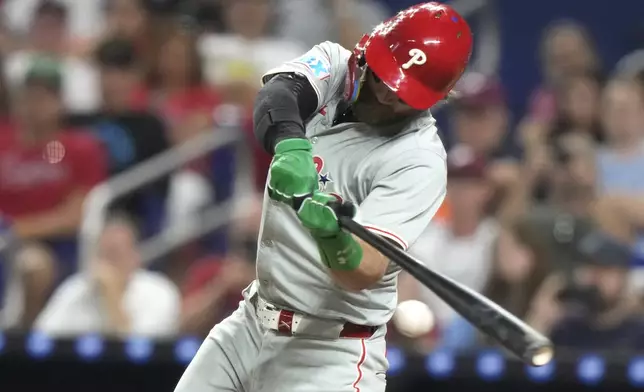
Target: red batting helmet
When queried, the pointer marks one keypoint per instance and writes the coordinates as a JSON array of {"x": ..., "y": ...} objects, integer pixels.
[{"x": 420, "y": 53}]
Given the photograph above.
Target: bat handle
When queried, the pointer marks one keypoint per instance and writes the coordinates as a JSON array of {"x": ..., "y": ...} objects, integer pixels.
[
  {"x": 343, "y": 209},
  {"x": 298, "y": 200}
]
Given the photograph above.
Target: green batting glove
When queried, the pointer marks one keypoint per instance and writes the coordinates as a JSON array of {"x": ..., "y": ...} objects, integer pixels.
[
  {"x": 292, "y": 171},
  {"x": 338, "y": 250}
]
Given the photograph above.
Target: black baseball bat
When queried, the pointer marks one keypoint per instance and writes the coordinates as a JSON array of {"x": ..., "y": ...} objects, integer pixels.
[{"x": 509, "y": 331}]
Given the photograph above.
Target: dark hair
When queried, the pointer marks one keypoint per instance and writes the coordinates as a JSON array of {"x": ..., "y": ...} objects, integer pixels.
[
  {"x": 568, "y": 24},
  {"x": 51, "y": 8},
  {"x": 120, "y": 218},
  {"x": 176, "y": 30},
  {"x": 141, "y": 4},
  {"x": 117, "y": 53},
  {"x": 563, "y": 124}
]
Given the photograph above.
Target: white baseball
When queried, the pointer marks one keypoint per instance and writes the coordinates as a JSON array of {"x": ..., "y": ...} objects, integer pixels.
[{"x": 413, "y": 318}]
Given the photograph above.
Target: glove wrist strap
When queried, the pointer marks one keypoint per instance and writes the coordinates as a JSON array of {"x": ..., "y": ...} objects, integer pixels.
[
  {"x": 293, "y": 144},
  {"x": 341, "y": 252}
]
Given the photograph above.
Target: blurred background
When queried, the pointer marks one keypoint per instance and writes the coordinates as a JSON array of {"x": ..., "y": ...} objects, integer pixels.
[{"x": 130, "y": 187}]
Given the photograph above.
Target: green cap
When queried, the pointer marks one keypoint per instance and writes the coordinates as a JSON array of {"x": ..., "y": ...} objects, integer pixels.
[{"x": 46, "y": 72}]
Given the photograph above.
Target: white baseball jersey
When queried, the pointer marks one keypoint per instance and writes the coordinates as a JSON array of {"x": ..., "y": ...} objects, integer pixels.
[{"x": 398, "y": 183}]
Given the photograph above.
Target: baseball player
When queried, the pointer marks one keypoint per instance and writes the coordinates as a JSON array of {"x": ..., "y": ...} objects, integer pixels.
[{"x": 350, "y": 126}]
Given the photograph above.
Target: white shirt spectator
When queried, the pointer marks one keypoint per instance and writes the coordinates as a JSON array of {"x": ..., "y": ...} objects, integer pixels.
[
  {"x": 232, "y": 58},
  {"x": 86, "y": 17},
  {"x": 81, "y": 88},
  {"x": 468, "y": 260},
  {"x": 152, "y": 302}
]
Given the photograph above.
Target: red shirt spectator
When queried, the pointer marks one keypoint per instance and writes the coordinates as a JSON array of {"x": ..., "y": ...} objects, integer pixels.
[
  {"x": 38, "y": 177},
  {"x": 45, "y": 173}
]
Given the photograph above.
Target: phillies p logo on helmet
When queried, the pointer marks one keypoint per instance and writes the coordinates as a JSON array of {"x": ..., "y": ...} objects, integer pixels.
[{"x": 418, "y": 57}]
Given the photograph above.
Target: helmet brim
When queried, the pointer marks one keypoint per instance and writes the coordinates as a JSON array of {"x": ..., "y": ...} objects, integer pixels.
[{"x": 382, "y": 62}]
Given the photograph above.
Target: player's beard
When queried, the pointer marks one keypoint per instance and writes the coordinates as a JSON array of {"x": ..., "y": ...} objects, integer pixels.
[{"x": 369, "y": 110}]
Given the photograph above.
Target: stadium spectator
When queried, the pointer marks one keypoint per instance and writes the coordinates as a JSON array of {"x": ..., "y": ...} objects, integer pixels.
[
  {"x": 45, "y": 174},
  {"x": 212, "y": 290},
  {"x": 578, "y": 112},
  {"x": 579, "y": 107},
  {"x": 85, "y": 17},
  {"x": 130, "y": 135},
  {"x": 592, "y": 308},
  {"x": 126, "y": 18},
  {"x": 48, "y": 37},
  {"x": 117, "y": 296},
  {"x": 235, "y": 60},
  {"x": 621, "y": 160},
  {"x": 480, "y": 119},
  {"x": 462, "y": 248},
  {"x": 566, "y": 49},
  {"x": 175, "y": 86},
  {"x": 32, "y": 275},
  {"x": 176, "y": 89},
  {"x": 515, "y": 277},
  {"x": 569, "y": 168}
]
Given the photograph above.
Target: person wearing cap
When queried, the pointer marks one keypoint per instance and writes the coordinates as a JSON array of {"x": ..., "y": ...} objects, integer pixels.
[
  {"x": 48, "y": 35},
  {"x": 479, "y": 118},
  {"x": 45, "y": 171},
  {"x": 592, "y": 307}
]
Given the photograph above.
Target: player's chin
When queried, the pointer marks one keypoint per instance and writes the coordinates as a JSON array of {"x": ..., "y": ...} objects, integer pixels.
[{"x": 373, "y": 113}]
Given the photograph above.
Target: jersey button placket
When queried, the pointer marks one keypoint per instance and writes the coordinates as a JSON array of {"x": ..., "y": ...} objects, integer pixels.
[{"x": 314, "y": 139}]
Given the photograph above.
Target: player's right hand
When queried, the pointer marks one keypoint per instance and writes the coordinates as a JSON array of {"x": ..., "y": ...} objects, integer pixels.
[{"x": 292, "y": 172}]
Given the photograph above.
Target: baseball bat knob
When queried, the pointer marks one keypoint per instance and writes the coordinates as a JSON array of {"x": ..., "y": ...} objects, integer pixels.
[{"x": 541, "y": 355}]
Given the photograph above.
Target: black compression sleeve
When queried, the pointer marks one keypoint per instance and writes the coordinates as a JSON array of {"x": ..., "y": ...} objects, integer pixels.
[{"x": 281, "y": 108}]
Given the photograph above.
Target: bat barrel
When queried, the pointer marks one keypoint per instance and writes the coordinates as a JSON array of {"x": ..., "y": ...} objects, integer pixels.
[{"x": 516, "y": 336}]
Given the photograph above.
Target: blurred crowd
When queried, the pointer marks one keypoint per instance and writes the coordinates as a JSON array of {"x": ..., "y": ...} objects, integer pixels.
[
  {"x": 89, "y": 90},
  {"x": 544, "y": 210}
]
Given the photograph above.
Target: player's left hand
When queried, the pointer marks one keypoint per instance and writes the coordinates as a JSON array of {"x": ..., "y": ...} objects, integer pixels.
[
  {"x": 317, "y": 215},
  {"x": 338, "y": 249}
]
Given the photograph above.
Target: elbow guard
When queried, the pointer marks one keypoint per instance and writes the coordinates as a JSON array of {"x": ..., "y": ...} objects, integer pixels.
[{"x": 281, "y": 108}]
